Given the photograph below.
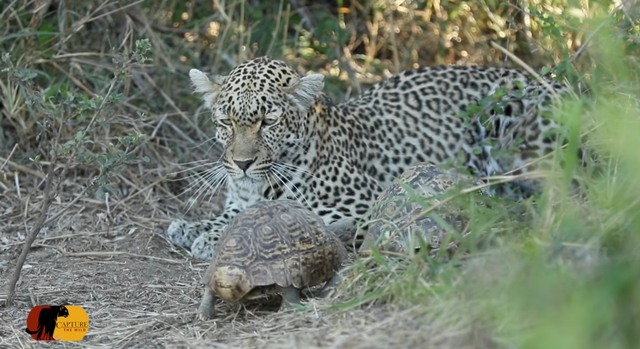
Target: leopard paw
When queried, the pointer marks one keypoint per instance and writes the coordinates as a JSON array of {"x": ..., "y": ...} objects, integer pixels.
[
  {"x": 205, "y": 245},
  {"x": 183, "y": 233}
]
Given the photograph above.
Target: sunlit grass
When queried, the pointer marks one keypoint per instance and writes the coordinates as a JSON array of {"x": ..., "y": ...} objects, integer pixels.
[{"x": 565, "y": 274}]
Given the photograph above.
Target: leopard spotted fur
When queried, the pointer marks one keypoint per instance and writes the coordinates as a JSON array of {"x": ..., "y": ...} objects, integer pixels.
[{"x": 284, "y": 138}]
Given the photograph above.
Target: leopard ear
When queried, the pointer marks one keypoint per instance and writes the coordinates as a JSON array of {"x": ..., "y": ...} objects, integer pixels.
[
  {"x": 207, "y": 85},
  {"x": 303, "y": 91}
]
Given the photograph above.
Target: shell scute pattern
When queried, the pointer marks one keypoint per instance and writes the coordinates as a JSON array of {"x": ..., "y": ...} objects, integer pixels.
[
  {"x": 394, "y": 226},
  {"x": 276, "y": 243},
  {"x": 285, "y": 139}
]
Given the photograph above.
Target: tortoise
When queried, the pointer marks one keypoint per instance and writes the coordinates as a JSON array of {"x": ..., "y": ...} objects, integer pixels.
[
  {"x": 274, "y": 247},
  {"x": 398, "y": 223}
]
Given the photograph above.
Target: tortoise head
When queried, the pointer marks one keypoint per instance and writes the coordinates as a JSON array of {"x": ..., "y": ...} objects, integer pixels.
[{"x": 230, "y": 283}]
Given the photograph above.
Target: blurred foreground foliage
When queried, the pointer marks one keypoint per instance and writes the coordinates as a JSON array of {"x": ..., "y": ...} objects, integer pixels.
[{"x": 102, "y": 88}]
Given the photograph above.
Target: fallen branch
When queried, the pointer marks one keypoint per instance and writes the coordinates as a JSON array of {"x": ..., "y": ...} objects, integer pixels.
[{"x": 40, "y": 222}]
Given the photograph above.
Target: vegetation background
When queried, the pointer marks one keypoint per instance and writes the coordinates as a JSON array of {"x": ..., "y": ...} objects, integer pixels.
[{"x": 100, "y": 138}]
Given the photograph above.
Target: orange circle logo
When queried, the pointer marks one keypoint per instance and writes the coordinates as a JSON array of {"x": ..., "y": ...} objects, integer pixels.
[{"x": 62, "y": 323}]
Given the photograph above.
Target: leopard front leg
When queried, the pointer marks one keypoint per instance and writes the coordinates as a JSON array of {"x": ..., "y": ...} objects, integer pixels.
[{"x": 201, "y": 236}]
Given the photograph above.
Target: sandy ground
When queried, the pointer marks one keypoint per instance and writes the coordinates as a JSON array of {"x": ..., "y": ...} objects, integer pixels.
[{"x": 141, "y": 292}]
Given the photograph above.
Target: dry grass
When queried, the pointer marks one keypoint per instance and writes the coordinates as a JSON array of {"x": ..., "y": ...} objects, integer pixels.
[
  {"x": 140, "y": 291},
  {"x": 110, "y": 255}
]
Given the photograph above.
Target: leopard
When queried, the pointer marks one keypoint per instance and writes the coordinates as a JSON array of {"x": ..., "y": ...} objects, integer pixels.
[{"x": 282, "y": 137}]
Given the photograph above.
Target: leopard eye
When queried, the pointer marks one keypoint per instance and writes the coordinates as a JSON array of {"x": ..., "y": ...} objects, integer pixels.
[
  {"x": 225, "y": 122},
  {"x": 269, "y": 121}
]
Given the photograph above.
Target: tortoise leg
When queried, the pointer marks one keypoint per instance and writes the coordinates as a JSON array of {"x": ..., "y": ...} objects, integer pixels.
[
  {"x": 207, "y": 307},
  {"x": 330, "y": 286},
  {"x": 290, "y": 298}
]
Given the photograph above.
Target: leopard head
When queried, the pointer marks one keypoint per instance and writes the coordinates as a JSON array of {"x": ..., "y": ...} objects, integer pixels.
[{"x": 260, "y": 109}]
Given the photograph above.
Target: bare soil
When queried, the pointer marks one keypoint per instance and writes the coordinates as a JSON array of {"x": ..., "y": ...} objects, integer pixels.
[{"x": 140, "y": 291}]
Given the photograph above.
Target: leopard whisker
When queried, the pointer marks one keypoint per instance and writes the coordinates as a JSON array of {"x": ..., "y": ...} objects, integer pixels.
[
  {"x": 209, "y": 178},
  {"x": 198, "y": 162},
  {"x": 280, "y": 176},
  {"x": 294, "y": 168},
  {"x": 216, "y": 184},
  {"x": 291, "y": 175},
  {"x": 214, "y": 181},
  {"x": 198, "y": 179},
  {"x": 191, "y": 168},
  {"x": 211, "y": 182},
  {"x": 213, "y": 140},
  {"x": 277, "y": 180},
  {"x": 211, "y": 187},
  {"x": 273, "y": 190}
]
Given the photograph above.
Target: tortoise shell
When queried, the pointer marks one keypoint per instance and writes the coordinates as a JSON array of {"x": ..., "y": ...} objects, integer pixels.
[
  {"x": 273, "y": 243},
  {"x": 397, "y": 221}
]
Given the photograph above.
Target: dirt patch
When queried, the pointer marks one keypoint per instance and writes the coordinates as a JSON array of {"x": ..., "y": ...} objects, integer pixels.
[{"x": 140, "y": 291}]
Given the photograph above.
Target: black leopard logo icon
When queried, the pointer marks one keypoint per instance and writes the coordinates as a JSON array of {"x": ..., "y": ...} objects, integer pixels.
[{"x": 47, "y": 320}]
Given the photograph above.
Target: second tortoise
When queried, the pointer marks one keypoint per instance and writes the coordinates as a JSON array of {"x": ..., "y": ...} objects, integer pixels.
[{"x": 404, "y": 216}]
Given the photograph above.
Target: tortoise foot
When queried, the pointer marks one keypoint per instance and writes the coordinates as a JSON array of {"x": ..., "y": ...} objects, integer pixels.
[
  {"x": 291, "y": 299},
  {"x": 330, "y": 286},
  {"x": 206, "y": 310}
]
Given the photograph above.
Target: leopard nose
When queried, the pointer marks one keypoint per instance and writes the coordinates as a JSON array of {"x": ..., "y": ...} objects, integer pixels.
[{"x": 244, "y": 164}]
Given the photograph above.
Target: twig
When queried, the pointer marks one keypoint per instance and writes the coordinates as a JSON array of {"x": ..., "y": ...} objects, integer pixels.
[
  {"x": 8, "y": 157},
  {"x": 119, "y": 253},
  {"x": 59, "y": 237},
  {"x": 307, "y": 19},
  {"x": 526, "y": 67},
  {"x": 32, "y": 235},
  {"x": 175, "y": 107},
  {"x": 588, "y": 40},
  {"x": 64, "y": 209},
  {"x": 21, "y": 168},
  {"x": 49, "y": 178}
]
